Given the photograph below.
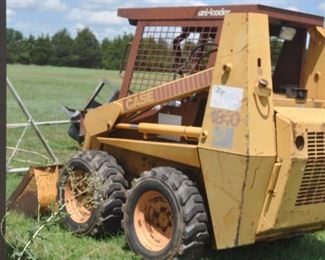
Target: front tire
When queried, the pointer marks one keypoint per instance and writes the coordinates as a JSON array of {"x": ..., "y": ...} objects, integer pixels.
[
  {"x": 165, "y": 216},
  {"x": 92, "y": 188}
]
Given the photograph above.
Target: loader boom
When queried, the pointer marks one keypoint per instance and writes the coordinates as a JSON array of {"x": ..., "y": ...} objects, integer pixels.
[{"x": 102, "y": 119}]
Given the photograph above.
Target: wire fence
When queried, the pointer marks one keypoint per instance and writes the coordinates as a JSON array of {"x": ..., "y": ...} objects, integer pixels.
[{"x": 30, "y": 123}]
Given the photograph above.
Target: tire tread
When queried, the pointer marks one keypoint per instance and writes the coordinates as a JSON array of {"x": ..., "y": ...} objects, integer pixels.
[
  {"x": 112, "y": 192},
  {"x": 195, "y": 234}
]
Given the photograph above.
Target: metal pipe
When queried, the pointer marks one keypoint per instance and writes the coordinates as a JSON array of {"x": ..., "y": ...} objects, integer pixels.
[
  {"x": 161, "y": 129},
  {"x": 17, "y": 145},
  {"x": 32, "y": 122},
  {"x": 20, "y": 125},
  {"x": 13, "y": 170},
  {"x": 28, "y": 151}
]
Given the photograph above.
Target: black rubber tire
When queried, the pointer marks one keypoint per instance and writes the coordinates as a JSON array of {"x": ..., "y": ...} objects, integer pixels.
[
  {"x": 190, "y": 235},
  {"x": 107, "y": 198}
]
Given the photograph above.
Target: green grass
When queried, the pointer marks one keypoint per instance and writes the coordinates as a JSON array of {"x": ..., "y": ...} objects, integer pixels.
[
  {"x": 44, "y": 89},
  {"x": 57, "y": 243}
]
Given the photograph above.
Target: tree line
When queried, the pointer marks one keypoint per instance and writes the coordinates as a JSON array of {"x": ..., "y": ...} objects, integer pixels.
[{"x": 62, "y": 50}]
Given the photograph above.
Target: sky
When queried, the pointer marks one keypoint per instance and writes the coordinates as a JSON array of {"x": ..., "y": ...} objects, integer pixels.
[{"x": 39, "y": 17}]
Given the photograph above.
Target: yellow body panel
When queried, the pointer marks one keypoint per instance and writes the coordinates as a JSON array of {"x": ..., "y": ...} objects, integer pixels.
[
  {"x": 185, "y": 154},
  {"x": 98, "y": 121},
  {"x": 230, "y": 194},
  {"x": 295, "y": 201},
  {"x": 238, "y": 155}
]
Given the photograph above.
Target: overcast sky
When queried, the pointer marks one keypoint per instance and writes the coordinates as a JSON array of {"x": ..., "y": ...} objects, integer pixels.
[{"x": 48, "y": 16}]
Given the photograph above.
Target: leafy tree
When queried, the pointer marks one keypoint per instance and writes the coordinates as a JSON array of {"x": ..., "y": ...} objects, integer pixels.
[
  {"x": 41, "y": 52},
  {"x": 106, "y": 59},
  {"x": 112, "y": 51},
  {"x": 62, "y": 45},
  {"x": 164, "y": 55},
  {"x": 86, "y": 50},
  {"x": 14, "y": 41},
  {"x": 62, "y": 50},
  {"x": 24, "y": 55}
]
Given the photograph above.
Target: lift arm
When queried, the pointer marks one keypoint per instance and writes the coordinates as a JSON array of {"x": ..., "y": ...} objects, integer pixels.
[{"x": 102, "y": 119}]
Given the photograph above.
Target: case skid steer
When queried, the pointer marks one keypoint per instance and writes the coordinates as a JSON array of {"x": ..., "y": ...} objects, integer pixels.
[{"x": 217, "y": 137}]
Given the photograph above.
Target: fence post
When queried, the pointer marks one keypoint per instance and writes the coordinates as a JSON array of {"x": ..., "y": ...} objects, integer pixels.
[{"x": 2, "y": 121}]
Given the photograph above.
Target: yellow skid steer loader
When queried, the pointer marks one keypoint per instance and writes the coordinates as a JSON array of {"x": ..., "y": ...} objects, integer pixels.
[{"x": 217, "y": 136}]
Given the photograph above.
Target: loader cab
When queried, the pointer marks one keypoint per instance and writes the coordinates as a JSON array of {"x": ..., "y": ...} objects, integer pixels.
[
  {"x": 170, "y": 43},
  {"x": 289, "y": 45}
]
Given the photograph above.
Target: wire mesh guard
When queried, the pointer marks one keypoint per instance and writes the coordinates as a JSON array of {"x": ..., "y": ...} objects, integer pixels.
[{"x": 166, "y": 53}]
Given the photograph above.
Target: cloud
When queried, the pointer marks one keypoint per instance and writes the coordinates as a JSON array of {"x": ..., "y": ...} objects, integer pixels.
[
  {"x": 99, "y": 4},
  {"x": 292, "y": 8},
  {"x": 95, "y": 17},
  {"x": 174, "y": 2},
  {"x": 33, "y": 28},
  {"x": 263, "y": 2},
  {"x": 55, "y": 5},
  {"x": 47, "y": 5},
  {"x": 116, "y": 31},
  {"x": 99, "y": 13},
  {"x": 114, "y": 4},
  {"x": 16, "y": 4},
  {"x": 101, "y": 16},
  {"x": 79, "y": 27},
  {"x": 321, "y": 6},
  {"x": 10, "y": 13},
  {"x": 102, "y": 32}
]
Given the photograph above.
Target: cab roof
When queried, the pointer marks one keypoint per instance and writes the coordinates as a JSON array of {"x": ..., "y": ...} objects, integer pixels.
[{"x": 217, "y": 12}]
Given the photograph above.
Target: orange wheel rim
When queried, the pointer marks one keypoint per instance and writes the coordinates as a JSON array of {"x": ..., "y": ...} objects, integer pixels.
[
  {"x": 78, "y": 196},
  {"x": 153, "y": 221}
]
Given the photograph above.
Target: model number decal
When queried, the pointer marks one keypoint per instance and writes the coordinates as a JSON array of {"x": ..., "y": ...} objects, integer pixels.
[
  {"x": 228, "y": 118},
  {"x": 225, "y": 123}
]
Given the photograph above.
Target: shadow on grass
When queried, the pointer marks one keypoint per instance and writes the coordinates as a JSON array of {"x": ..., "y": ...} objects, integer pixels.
[
  {"x": 307, "y": 247},
  {"x": 11, "y": 254},
  {"x": 57, "y": 242}
]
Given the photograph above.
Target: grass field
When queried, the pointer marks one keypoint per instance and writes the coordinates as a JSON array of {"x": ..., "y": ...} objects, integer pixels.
[{"x": 44, "y": 89}]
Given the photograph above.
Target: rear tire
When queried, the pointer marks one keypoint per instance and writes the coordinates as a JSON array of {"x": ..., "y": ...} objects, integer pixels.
[
  {"x": 165, "y": 216},
  {"x": 93, "y": 188}
]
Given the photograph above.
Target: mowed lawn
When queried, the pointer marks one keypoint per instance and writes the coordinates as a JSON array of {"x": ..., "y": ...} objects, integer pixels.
[{"x": 45, "y": 89}]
